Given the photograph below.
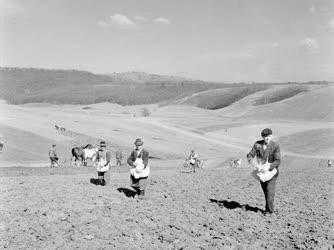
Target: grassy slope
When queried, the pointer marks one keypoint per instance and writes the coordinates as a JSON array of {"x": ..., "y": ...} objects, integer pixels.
[
  {"x": 27, "y": 147},
  {"x": 219, "y": 98},
  {"x": 316, "y": 104},
  {"x": 281, "y": 94},
  {"x": 19, "y": 86},
  {"x": 272, "y": 94},
  {"x": 79, "y": 87}
]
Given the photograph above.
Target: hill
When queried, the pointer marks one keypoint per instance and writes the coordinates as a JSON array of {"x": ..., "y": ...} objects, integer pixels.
[
  {"x": 270, "y": 95},
  {"x": 315, "y": 104},
  {"x": 31, "y": 85},
  {"x": 19, "y": 86},
  {"x": 142, "y": 77},
  {"x": 219, "y": 98}
]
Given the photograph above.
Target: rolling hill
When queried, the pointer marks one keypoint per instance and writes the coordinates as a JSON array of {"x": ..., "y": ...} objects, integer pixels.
[
  {"x": 218, "y": 98},
  {"x": 31, "y": 85},
  {"x": 315, "y": 104},
  {"x": 19, "y": 86}
]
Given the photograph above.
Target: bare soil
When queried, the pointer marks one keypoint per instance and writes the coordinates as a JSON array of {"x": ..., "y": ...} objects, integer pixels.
[{"x": 212, "y": 209}]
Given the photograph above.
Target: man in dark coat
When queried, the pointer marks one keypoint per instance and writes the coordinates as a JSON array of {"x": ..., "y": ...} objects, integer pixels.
[
  {"x": 139, "y": 155},
  {"x": 267, "y": 150}
]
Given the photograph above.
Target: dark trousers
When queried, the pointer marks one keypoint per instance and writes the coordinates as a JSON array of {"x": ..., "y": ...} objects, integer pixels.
[
  {"x": 268, "y": 188},
  {"x": 100, "y": 175},
  {"x": 54, "y": 161}
]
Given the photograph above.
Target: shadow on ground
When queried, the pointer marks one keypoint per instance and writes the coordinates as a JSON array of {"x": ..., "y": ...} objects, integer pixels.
[
  {"x": 235, "y": 204},
  {"x": 127, "y": 192}
]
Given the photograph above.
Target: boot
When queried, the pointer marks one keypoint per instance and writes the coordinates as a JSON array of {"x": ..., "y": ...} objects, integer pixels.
[
  {"x": 141, "y": 194},
  {"x": 94, "y": 181},
  {"x": 102, "y": 182}
]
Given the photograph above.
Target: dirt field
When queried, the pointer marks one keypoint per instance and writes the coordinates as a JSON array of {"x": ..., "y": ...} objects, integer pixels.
[{"x": 218, "y": 207}]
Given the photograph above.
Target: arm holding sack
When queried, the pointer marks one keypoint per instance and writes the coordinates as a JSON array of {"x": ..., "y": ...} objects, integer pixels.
[{"x": 251, "y": 155}]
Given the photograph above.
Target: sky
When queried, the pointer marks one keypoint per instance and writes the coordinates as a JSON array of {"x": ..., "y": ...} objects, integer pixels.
[{"x": 212, "y": 40}]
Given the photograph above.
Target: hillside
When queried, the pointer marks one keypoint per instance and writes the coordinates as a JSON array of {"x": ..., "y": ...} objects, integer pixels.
[
  {"x": 19, "y": 86},
  {"x": 316, "y": 104},
  {"x": 269, "y": 96},
  {"x": 142, "y": 77},
  {"x": 219, "y": 98},
  {"x": 30, "y": 85}
]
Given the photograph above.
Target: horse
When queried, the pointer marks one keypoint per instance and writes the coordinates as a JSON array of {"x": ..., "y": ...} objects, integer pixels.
[
  {"x": 78, "y": 154},
  {"x": 90, "y": 153},
  {"x": 84, "y": 153}
]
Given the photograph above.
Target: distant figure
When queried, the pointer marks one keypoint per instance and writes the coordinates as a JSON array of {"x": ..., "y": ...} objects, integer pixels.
[
  {"x": 193, "y": 158},
  {"x": 59, "y": 128},
  {"x": 119, "y": 157},
  {"x": 267, "y": 150},
  {"x": 140, "y": 171},
  {"x": 235, "y": 162},
  {"x": 329, "y": 163},
  {"x": 1, "y": 145},
  {"x": 53, "y": 156}
]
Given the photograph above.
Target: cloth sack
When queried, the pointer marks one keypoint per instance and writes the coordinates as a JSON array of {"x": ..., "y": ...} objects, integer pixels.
[
  {"x": 100, "y": 166},
  {"x": 261, "y": 171},
  {"x": 140, "y": 171}
]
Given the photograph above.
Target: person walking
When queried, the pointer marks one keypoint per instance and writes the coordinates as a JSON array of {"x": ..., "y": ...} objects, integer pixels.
[
  {"x": 193, "y": 160},
  {"x": 53, "y": 156},
  {"x": 119, "y": 157},
  {"x": 140, "y": 171},
  {"x": 102, "y": 163},
  {"x": 266, "y": 150}
]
